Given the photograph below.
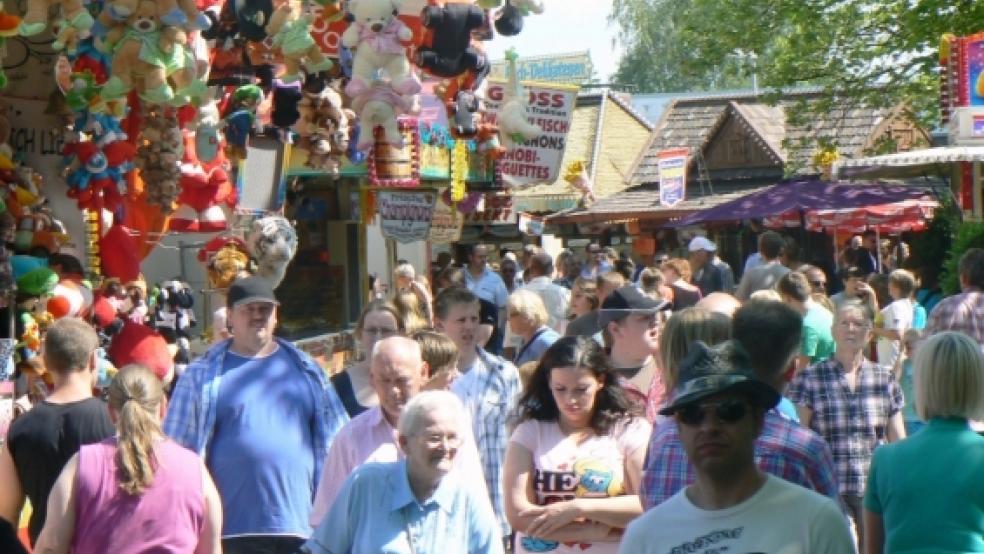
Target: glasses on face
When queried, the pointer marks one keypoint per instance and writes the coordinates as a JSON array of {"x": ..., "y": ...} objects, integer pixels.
[
  {"x": 819, "y": 284},
  {"x": 383, "y": 332},
  {"x": 435, "y": 440},
  {"x": 661, "y": 261},
  {"x": 729, "y": 411}
]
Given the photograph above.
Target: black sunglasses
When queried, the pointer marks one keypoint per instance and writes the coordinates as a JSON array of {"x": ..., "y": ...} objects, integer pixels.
[
  {"x": 819, "y": 284},
  {"x": 729, "y": 411}
]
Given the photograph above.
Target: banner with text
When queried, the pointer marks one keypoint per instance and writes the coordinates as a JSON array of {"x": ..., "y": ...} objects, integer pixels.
[
  {"x": 672, "y": 176},
  {"x": 405, "y": 216},
  {"x": 446, "y": 223},
  {"x": 551, "y": 107}
]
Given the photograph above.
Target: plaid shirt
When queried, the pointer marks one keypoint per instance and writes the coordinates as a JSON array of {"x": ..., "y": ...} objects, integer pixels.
[
  {"x": 853, "y": 423},
  {"x": 191, "y": 412},
  {"x": 962, "y": 312},
  {"x": 784, "y": 449},
  {"x": 489, "y": 391}
]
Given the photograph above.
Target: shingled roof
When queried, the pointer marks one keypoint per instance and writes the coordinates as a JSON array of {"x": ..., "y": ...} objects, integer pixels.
[{"x": 693, "y": 122}]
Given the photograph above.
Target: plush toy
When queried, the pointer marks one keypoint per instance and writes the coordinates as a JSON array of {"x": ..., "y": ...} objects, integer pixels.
[
  {"x": 158, "y": 158},
  {"x": 97, "y": 175},
  {"x": 378, "y": 38},
  {"x": 291, "y": 33},
  {"x": 119, "y": 255},
  {"x": 509, "y": 20},
  {"x": 325, "y": 127},
  {"x": 73, "y": 14},
  {"x": 513, "y": 119},
  {"x": 225, "y": 258},
  {"x": 239, "y": 121},
  {"x": 204, "y": 179},
  {"x": 576, "y": 173},
  {"x": 147, "y": 54},
  {"x": 379, "y": 107},
  {"x": 446, "y": 49},
  {"x": 272, "y": 243},
  {"x": 286, "y": 109}
]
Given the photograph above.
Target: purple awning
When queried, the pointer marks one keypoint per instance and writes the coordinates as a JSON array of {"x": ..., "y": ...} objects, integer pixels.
[{"x": 805, "y": 194}]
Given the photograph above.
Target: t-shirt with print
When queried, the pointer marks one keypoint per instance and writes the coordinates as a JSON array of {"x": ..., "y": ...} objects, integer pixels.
[
  {"x": 564, "y": 470},
  {"x": 781, "y": 517},
  {"x": 896, "y": 316}
]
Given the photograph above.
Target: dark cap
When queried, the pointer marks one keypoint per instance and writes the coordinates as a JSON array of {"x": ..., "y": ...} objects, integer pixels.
[
  {"x": 627, "y": 300},
  {"x": 250, "y": 289},
  {"x": 707, "y": 371}
]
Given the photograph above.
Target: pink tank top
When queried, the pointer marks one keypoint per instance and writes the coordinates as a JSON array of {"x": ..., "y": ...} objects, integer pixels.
[{"x": 166, "y": 519}]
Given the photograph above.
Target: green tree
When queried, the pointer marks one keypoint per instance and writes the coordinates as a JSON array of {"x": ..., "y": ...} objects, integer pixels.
[{"x": 876, "y": 52}]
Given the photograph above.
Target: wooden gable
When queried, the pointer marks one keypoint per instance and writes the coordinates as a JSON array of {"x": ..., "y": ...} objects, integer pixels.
[{"x": 737, "y": 146}]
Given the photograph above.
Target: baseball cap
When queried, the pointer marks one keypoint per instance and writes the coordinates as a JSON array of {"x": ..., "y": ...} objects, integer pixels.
[
  {"x": 626, "y": 300},
  {"x": 710, "y": 370},
  {"x": 248, "y": 290},
  {"x": 701, "y": 243}
]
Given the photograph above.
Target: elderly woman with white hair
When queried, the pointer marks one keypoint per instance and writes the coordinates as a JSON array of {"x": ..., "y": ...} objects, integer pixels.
[
  {"x": 528, "y": 319},
  {"x": 405, "y": 279},
  {"x": 415, "y": 505},
  {"x": 925, "y": 493}
]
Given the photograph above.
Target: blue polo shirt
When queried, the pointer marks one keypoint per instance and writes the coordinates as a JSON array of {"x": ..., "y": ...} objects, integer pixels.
[
  {"x": 377, "y": 512},
  {"x": 262, "y": 455}
]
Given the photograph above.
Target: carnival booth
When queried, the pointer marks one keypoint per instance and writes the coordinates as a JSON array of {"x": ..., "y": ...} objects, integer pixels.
[{"x": 171, "y": 145}]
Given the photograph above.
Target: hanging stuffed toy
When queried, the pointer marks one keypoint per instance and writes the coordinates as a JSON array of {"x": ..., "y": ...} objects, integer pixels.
[
  {"x": 509, "y": 20},
  {"x": 272, "y": 243},
  {"x": 97, "y": 175},
  {"x": 446, "y": 50},
  {"x": 379, "y": 107},
  {"x": 378, "y": 38},
  {"x": 513, "y": 119},
  {"x": 75, "y": 21},
  {"x": 576, "y": 173},
  {"x": 204, "y": 179},
  {"x": 240, "y": 119},
  {"x": 291, "y": 33},
  {"x": 158, "y": 158},
  {"x": 286, "y": 109},
  {"x": 324, "y": 128},
  {"x": 147, "y": 54},
  {"x": 118, "y": 251}
]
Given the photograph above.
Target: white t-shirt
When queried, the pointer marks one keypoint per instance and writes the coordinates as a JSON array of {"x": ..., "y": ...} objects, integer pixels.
[
  {"x": 897, "y": 316},
  {"x": 781, "y": 518},
  {"x": 564, "y": 470}
]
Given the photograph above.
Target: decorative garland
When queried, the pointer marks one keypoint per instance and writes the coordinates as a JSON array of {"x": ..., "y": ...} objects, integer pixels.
[
  {"x": 93, "y": 222},
  {"x": 459, "y": 170}
]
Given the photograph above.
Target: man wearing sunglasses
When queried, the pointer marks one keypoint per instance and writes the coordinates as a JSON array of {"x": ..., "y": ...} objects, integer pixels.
[
  {"x": 719, "y": 410},
  {"x": 770, "y": 332}
]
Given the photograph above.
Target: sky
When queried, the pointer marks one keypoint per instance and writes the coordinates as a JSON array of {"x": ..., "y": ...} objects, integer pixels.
[{"x": 566, "y": 26}]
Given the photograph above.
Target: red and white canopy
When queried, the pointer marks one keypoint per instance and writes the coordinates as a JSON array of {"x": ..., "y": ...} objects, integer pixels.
[{"x": 889, "y": 219}]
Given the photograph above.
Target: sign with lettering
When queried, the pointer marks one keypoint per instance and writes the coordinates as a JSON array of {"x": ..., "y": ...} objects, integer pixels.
[
  {"x": 405, "y": 216},
  {"x": 446, "y": 223},
  {"x": 672, "y": 176},
  {"x": 568, "y": 69},
  {"x": 493, "y": 209},
  {"x": 551, "y": 107}
]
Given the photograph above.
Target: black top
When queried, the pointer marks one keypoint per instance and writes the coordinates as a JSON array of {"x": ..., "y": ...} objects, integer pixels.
[
  {"x": 684, "y": 298},
  {"x": 488, "y": 314},
  {"x": 42, "y": 441},
  {"x": 342, "y": 382}
]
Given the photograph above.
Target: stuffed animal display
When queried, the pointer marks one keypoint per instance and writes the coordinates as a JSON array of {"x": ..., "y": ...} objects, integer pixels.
[
  {"x": 291, "y": 33},
  {"x": 158, "y": 159},
  {"x": 379, "y": 40},
  {"x": 576, "y": 173},
  {"x": 514, "y": 125},
  {"x": 272, "y": 242},
  {"x": 205, "y": 184}
]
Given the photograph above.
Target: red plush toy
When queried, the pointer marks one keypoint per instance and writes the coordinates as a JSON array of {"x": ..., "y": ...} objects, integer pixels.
[
  {"x": 204, "y": 181},
  {"x": 139, "y": 344},
  {"x": 119, "y": 254},
  {"x": 97, "y": 176}
]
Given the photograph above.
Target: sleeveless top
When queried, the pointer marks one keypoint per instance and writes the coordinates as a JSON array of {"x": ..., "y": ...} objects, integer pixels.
[
  {"x": 342, "y": 382},
  {"x": 166, "y": 519}
]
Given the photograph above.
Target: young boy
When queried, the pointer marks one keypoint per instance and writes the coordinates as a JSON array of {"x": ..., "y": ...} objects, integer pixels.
[
  {"x": 896, "y": 318},
  {"x": 441, "y": 356}
]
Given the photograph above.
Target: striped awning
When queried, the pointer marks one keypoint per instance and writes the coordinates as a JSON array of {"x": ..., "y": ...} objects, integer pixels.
[{"x": 914, "y": 162}]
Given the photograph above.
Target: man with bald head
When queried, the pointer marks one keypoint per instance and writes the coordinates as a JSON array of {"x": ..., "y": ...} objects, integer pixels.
[
  {"x": 397, "y": 372},
  {"x": 720, "y": 303}
]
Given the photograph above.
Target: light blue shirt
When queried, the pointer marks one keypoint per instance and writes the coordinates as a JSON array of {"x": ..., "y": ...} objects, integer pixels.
[
  {"x": 532, "y": 351},
  {"x": 489, "y": 286},
  {"x": 376, "y": 512}
]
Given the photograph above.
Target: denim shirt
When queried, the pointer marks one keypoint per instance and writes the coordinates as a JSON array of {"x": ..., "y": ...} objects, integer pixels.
[{"x": 192, "y": 410}]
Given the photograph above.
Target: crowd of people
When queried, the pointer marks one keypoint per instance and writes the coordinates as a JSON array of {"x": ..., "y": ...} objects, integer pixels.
[{"x": 583, "y": 403}]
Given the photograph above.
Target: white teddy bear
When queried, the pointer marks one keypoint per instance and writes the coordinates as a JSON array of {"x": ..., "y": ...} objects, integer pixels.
[{"x": 377, "y": 36}]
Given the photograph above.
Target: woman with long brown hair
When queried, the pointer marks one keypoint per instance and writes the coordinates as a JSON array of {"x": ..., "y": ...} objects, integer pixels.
[{"x": 136, "y": 492}]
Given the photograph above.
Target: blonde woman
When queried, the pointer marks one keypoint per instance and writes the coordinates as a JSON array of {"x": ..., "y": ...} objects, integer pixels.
[
  {"x": 379, "y": 320},
  {"x": 528, "y": 320},
  {"x": 924, "y": 493},
  {"x": 407, "y": 304},
  {"x": 136, "y": 492}
]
